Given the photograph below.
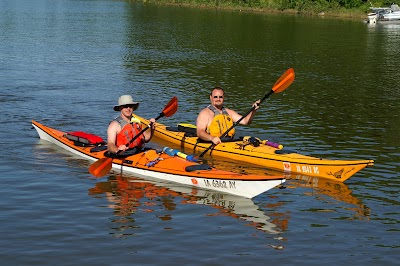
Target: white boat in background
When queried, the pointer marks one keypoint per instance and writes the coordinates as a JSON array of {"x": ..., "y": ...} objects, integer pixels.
[{"x": 384, "y": 14}]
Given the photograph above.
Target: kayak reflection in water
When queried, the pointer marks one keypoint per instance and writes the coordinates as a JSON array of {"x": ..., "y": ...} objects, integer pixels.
[
  {"x": 130, "y": 195},
  {"x": 214, "y": 120},
  {"x": 329, "y": 191}
]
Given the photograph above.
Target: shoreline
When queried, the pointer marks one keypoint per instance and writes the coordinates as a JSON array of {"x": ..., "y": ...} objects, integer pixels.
[{"x": 340, "y": 14}]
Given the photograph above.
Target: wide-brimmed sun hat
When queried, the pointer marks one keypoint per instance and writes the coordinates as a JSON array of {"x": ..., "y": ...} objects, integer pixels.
[{"x": 126, "y": 100}]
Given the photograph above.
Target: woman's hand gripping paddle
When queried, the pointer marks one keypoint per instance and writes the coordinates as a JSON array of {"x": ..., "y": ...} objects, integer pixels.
[
  {"x": 280, "y": 85},
  {"x": 102, "y": 166}
]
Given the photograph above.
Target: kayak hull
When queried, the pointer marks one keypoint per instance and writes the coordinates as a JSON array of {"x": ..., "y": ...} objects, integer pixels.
[
  {"x": 170, "y": 168},
  {"x": 265, "y": 156}
]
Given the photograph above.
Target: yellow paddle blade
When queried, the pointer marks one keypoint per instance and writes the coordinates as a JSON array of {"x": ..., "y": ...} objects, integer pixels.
[
  {"x": 284, "y": 81},
  {"x": 101, "y": 167}
]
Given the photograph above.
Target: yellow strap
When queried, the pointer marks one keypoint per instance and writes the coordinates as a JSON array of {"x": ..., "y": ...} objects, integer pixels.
[
  {"x": 135, "y": 120},
  {"x": 187, "y": 125}
]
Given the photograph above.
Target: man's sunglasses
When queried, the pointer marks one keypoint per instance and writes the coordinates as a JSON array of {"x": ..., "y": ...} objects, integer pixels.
[
  {"x": 128, "y": 106},
  {"x": 216, "y": 96}
]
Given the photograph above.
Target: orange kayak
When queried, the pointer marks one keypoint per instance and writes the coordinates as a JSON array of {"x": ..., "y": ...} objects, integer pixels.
[{"x": 169, "y": 168}]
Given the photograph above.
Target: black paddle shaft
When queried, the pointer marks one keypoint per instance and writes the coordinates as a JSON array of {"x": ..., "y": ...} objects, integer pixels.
[{"x": 236, "y": 123}]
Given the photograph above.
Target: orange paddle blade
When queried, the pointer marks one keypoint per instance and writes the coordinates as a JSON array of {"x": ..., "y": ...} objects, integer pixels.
[
  {"x": 101, "y": 167},
  {"x": 284, "y": 81},
  {"x": 171, "y": 107}
]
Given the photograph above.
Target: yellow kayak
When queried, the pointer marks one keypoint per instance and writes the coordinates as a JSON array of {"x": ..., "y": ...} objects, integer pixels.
[{"x": 261, "y": 154}]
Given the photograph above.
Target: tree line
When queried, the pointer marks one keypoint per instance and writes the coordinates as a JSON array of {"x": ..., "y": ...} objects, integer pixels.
[{"x": 299, "y": 6}]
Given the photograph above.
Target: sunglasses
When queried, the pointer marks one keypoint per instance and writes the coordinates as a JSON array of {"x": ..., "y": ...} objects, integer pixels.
[
  {"x": 216, "y": 96},
  {"x": 128, "y": 106}
]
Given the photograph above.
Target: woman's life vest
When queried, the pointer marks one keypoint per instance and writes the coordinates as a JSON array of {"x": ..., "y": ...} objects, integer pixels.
[
  {"x": 128, "y": 132},
  {"x": 220, "y": 123}
]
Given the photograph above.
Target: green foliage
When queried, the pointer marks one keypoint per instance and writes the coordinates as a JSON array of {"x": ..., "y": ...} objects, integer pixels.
[{"x": 302, "y": 6}]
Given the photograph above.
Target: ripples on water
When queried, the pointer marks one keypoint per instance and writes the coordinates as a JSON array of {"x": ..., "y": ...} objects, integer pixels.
[{"x": 66, "y": 63}]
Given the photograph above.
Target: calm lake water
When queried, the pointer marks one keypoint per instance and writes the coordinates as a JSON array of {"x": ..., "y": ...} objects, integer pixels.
[{"x": 66, "y": 62}]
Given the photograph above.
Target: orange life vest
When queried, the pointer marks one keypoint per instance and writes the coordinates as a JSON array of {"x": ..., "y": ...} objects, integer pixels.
[{"x": 128, "y": 132}]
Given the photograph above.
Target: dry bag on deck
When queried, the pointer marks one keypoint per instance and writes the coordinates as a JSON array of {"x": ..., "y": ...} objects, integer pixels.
[{"x": 84, "y": 139}]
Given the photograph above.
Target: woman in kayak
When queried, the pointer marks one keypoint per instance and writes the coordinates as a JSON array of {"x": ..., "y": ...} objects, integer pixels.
[
  {"x": 215, "y": 119},
  {"x": 123, "y": 129}
]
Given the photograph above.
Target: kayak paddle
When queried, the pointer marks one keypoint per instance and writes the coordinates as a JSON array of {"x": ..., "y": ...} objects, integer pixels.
[
  {"x": 102, "y": 166},
  {"x": 280, "y": 85}
]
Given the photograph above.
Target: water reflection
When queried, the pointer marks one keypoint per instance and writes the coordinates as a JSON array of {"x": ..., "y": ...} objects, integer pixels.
[
  {"x": 326, "y": 190},
  {"x": 128, "y": 195},
  {"x": 323, "y": 190},
  {"x": 385, "y": 26}
]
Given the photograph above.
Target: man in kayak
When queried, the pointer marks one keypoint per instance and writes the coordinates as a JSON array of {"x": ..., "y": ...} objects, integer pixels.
[
  {"x": 125, "y": 127},
  {"x": 215, "y": 119}
]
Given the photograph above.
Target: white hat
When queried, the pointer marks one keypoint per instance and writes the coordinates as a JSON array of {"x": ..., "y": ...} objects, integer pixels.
[{"x": 124, "y": 100}]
